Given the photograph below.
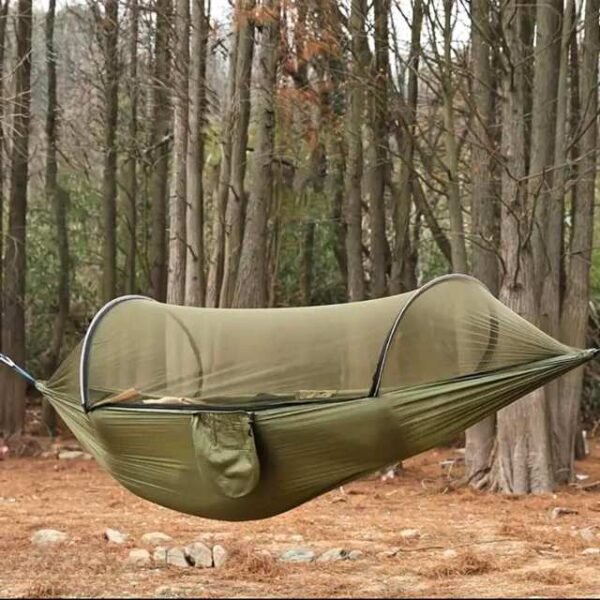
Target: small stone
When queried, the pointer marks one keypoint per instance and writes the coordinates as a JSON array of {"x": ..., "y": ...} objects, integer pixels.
[
  {"x": 46, "y": 537},
  {"x": 298, "y": 555},
  {"x": 588, "y": 534},
  {"x": 591, "y": 551},
  {"x": 160, "y": 555},
  {"x": 114, "y": 536},
  {"x": 70, "y": 454},
  {"x": 156, "y": 538},
  {"x": 296, "y": 538},
  {"x": 558, "y": 511},
  {"x": 449, "y": 554},
  {"x": 355, "y": 554},
  {"x": 410, "y": 534},
  {"x": 139, "y": 557},
  {"x": 199, "y": 555},
  {"x": 333, "y": 555},
  {"x": 388, "y": 553},
  {"x": 177, "y": 558},
  {"x": 219, "y": 555}
]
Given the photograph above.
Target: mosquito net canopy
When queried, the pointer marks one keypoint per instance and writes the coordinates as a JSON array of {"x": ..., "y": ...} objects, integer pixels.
[{"x": 144, "y": 353}]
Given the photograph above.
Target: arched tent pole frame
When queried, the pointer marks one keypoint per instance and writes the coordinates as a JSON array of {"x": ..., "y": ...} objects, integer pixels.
[
  {"x": 374, "y": 391},
  {"x": 87, "y": 340}
]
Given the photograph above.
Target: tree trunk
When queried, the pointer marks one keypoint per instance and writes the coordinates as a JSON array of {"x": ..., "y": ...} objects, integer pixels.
[
  {"x": 58, "y": 199},
  {"x": 194, "y": 264},
  {"x": 354, "y": 163},
  {"x": 178, "y": 194},
  {"x": 12, "y": 396},
  {"x": 159, "y": 153},
  {"x": 484, "y": 207},
  {"x": 130, "y": 166},
  {"x": 575, "y": 309},
  {"x": 408, "y": 184},
  {"x": 457, "y": 228},
  {"x": 110, "y": 27},
  {"x": 376, "y": 174},
  {"x": 523, "y": 461},
  {"x": 236, "y": 197},
  {"x": 3, "y": 22},
  {"x": 251, "y": 286}
]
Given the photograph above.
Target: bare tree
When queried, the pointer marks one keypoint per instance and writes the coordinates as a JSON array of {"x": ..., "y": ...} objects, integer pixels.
[
  {"x": 12, "y": 396},
  {"x": 251, "y": 285}
]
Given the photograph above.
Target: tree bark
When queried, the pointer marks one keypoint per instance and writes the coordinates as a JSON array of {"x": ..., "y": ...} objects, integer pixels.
[
  {"x": 178, "y": 194},
  {"x": 376, "y": 174},
  {"x": 110, "y": 25},
  {"x": 251, "y": 286},
  {"x": 575, "y": 310},
  {"x": 58, "y": 199},
  {"x": 523, "y": 460},
  {"x": 130, "y": 166},
  {"x": 236, "y": 197},
  {"x": 484, "y": 207},
  {"x": 194, "y": 274},
  {"x": 409, "y": 185},
  {"x": 159, "y": 153},
  {"x": 3, "y": 22},
  {"x": 354, "y": 163},
  {"x": 12, "y": 396}
]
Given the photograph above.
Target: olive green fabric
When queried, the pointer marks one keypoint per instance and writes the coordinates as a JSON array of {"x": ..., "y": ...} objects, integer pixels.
[{"x": 244, "y": 414}]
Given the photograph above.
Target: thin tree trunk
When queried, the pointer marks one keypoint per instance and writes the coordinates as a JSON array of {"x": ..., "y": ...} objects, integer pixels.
[
  {"x": 457, "y": 228},
  {"x": 215, "y": 271},
  {"x": 376, "y": 174},
  {"x": 408, "y": 184},
  {"x": 575, "y": 310},
  {"x": 159, "y": 165},
  {"x": 194, "y": 275},
  {"x": 178, "y": 194},
  {"x": 484, "y": 231},
  {"x": 110, "y": 26},
  {"x": 12, "y": 396},
  {"x": 523, "y": 460},
  {"x": 130, "y": 166},
  {"x": 307, "y": 264},
  {"x": 236, "y": 198},
  {"x": 3, "y": 22},
  {"x": 251, "y": 286},
  {"x": 58, "y": 199},
  {"x": 354, "y": 163}
]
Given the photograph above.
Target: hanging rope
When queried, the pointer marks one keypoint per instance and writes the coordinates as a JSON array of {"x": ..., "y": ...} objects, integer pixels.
[{"x": 9, "y": 362}]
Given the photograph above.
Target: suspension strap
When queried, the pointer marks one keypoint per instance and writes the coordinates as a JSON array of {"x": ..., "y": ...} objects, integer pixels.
[{"x": 9, "y": 362}]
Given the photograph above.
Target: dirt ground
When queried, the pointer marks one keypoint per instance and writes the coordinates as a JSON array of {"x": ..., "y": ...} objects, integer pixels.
[{"x": 503, "y": 546}]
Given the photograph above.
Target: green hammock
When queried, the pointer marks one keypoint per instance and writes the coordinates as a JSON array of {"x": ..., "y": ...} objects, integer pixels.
[{"x": 239, "y": 414}]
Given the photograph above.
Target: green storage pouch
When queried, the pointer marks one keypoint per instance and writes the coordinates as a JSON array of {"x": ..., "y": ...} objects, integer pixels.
[{"x": 226, "y": 451}]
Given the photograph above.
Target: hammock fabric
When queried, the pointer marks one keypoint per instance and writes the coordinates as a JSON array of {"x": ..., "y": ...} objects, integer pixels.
[{"x": 239, "y": 414}]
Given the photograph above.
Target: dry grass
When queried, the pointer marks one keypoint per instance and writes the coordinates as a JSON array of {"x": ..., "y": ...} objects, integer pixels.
[
  {"x": 466, "y": 563},
  {"x": 553, "y": 576}
]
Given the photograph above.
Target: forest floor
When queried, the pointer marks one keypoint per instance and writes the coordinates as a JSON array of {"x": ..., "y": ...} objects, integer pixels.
[{"x": 468, "y": 544}]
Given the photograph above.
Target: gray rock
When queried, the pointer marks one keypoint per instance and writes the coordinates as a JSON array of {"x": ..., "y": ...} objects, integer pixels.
[
  {"x": 138, "y": 557},
  {"x": 159, "y": 555},
  {"x": 355, "y": 554},
  {"x": 591, "y": 551},
  {"x": 156, "y": 538},
  {"x": 559, "y": 511},
  {"x": 46, "y": 537},
  {"x": 70, "y": 454},
  {"x": 177, "y": 558},
  {"x": 199, "y": 555},
  {"x": 114, "y": 536},
  {"x": 333, "y": 555},
  {"x": 219, "y": 555},
  {"x": 298, "y": 555},
  {"x": 410, "y": 534}
]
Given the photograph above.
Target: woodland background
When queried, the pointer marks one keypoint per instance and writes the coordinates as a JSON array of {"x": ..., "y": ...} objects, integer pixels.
[{"x": 290, "y": 152}]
